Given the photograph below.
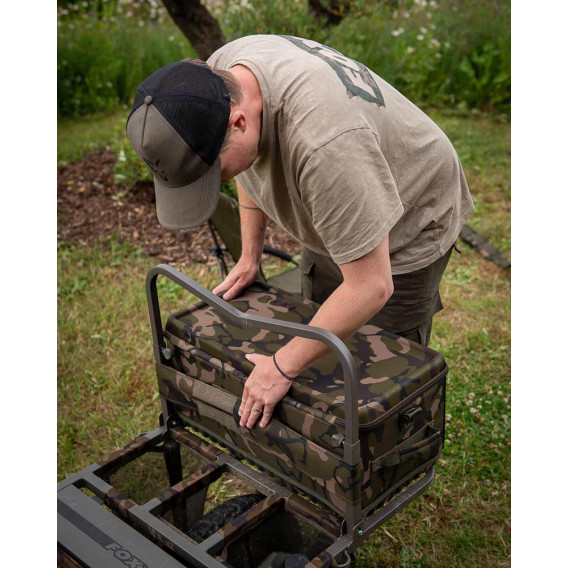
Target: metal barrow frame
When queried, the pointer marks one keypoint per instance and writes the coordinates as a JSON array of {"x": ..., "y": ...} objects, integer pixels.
[
  {"x": 142, "y": 528},
  {"x": 356, "y": 526}
]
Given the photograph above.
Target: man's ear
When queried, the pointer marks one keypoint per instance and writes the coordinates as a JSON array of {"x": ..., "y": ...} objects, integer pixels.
[{"x": 238, "y": 121}]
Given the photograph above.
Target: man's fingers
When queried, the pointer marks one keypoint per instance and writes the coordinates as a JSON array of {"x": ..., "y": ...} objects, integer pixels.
[
  {"x": 234, "y": 291},
  {"x": 225, "y": 285},
  {"x": 267, "y": 415},
  {"x": 246, "y": 411},
  {"x": 256, "y": 412},
  {"x": 244, "y": 400}
]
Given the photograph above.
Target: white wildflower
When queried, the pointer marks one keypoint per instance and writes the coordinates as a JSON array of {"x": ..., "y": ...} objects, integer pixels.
[
  {"x": 397, "y": 32},
  {"x": 471, "y": 395},
  {"x": 438, "y": 55},
  {"x": 410, "y": 49},
  {"x": 423, "y": 29},
  {"x": 109, "y": 84},
  {"x": 435, "y": 42},
  {"x": 406, "y": 15},
  {"x": 171, "y": 38},
  {"x": 419, "y": 37}
]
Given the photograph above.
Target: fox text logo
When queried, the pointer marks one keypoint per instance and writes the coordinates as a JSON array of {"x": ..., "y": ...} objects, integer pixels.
[{"x": 124, "y": 556}]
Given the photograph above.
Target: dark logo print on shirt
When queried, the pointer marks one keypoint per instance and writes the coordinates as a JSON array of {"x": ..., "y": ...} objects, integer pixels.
[
  {"x": 156, "y": 169},
  {"x": 355, "y": 76}
]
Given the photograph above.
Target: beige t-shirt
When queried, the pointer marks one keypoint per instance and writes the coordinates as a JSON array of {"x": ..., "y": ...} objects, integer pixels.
[{"x": 345, "y": 159}]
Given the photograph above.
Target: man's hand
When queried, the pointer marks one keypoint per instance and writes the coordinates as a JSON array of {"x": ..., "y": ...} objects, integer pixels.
[
  {"x": 263, "y": 389},
  {"x": 243, "y": 274}
]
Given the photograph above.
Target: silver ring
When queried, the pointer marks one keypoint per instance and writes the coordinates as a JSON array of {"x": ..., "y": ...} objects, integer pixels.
[{"x": 254, "y": 409}]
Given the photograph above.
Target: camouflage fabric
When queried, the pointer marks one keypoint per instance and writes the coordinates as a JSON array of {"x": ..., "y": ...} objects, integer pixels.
[
  {"x": 136, "y": 447},
  {"x": 311, "y": 422},
  {"x": 117, "y": 501},
  {"x": 301, "y": 445},
  {"x": 390, "y": 367},
  {"x": 253, "y": 516},
  {"x": 176, "y": 494},
  {"x": 320, "y": 516},
  {"x": 292, "y": 454},
  {"x": 322, "y": 560},
  {"x": 196, "y": 444}
]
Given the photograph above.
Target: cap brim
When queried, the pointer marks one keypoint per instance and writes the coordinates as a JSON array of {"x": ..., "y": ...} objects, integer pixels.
[{"x": 190, "y": 205}]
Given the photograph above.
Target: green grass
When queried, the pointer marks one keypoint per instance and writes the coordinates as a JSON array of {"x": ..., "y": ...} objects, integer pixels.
[
  {"x": 75, "y": 137},
  {"x": 107, "y": 388}
]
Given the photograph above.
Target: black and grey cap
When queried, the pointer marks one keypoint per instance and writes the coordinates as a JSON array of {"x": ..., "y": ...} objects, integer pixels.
[{"x": 177, "y": 125}]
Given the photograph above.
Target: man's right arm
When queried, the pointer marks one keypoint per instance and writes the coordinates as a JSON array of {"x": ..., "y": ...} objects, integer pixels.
[{"x": 253, "y": 228}]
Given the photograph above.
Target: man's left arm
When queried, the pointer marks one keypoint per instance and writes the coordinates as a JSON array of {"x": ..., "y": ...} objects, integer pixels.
[{"x": 366, "y": 287}]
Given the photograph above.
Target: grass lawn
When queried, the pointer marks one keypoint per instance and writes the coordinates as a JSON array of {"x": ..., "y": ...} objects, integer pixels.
[{"x": 107, "y": 391}]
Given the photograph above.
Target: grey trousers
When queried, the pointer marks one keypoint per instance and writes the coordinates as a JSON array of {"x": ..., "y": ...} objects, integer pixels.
[{"x": 408, "y": 312}]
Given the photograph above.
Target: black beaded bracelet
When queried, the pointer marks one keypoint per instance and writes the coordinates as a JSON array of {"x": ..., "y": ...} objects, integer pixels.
[{"x": 280, "y": 370}]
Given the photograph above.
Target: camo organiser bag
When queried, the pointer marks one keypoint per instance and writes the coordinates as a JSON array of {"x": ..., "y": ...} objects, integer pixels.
[{"x": 401, "y": 401}]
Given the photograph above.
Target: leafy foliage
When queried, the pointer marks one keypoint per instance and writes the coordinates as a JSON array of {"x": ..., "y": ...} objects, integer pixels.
[
  {"x": 102, "y": 58},
  {"x": 451, "y": 53}
]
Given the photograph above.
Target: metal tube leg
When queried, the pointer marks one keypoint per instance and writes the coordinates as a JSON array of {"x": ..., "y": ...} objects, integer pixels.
[{"x": 172, "y": 459}]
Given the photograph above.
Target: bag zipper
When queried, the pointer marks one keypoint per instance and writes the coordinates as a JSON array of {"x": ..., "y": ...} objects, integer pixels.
[{"x": 396, "y": 407}]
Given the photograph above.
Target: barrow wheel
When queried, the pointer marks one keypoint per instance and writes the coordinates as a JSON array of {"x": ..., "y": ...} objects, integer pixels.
[{"x": 222, "y": 515}]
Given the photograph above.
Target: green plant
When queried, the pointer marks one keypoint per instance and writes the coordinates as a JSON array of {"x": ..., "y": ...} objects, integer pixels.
[
  {"x": 102, "y": 58},
  {"x": 248, "y": 17},
  {"x": 129, "y": 167},
  {"x": 448, "y": 53}
]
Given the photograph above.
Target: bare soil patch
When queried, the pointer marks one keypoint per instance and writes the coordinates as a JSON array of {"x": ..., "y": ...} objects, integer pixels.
[{"x": 91, "y": 206}]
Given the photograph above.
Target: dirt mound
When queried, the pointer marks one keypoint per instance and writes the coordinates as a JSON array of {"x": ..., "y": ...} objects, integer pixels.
[{"x": 91, "y": 206}]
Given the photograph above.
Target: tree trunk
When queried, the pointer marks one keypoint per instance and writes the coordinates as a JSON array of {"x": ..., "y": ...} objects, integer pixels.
[
  {"x": 197, "y": 24},
  {"x": 331, "y": 12}
]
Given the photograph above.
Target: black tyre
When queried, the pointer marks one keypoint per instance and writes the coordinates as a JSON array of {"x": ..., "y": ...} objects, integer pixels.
[{"x": 222, "y": 515}]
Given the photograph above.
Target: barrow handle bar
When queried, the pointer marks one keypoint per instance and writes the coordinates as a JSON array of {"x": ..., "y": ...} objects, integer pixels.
[{"x": 240, "y": 319}]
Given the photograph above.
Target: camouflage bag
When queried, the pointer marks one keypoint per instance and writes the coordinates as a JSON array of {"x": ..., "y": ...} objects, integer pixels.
[{"x": 401, "y": 401}]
